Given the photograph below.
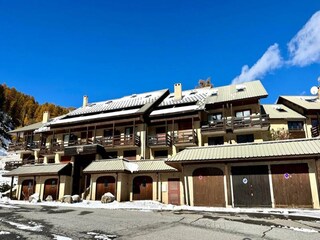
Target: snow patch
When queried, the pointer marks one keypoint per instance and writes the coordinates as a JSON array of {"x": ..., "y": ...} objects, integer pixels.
[
  {"x": 58, "y": 237},
  {"x": 132, "y": 167},
  {"x": 4, "y": 233},
  {"x": 34, "y": 227},
  {"x": 102, "y": 236},
  {"x": 306, "y": 230}
]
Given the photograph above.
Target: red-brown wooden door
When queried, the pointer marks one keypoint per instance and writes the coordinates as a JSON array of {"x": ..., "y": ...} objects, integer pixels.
[
  {"x": 208, "y": 187},
  {"x": 142, "y": 188},
  {"x": 291, "y": 185},
  {"x": 174, "y": 191},
  {"x": 27, "y": 189},
  {"x": 51, "y": 188},
  {"x": 105, "y": 184}
]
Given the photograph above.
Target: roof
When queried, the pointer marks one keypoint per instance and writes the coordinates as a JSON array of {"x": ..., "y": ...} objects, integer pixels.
[
  {"x": 30, "y": 127},
  {"x": 280, "y": 111},
  {"x": 175, "y": 110},
  {"x": 253, "y": 89},
  {"x": 122, "y": 165},
  {"x": 250, "y": 151},
  {"x": 306, "y": 102},
  {"x": 134, "y": 100},
  {"x": 36, "y": 170},
  {"x": 188, "y": 96}
]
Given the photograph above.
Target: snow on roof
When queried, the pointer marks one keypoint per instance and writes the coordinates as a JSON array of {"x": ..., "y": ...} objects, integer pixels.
[
  {"x": 95, "y": 116},
  {"x": 134, "y": 100},
  {"x": 188, "y": 96},
  {"x": 175, "y": 110}
]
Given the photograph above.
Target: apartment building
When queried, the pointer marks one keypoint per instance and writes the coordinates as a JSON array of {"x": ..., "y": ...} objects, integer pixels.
[{"x": 135, "y": 147}]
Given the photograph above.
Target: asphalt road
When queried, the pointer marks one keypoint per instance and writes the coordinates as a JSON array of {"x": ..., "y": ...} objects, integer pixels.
[{"x": 42, "y": 222}]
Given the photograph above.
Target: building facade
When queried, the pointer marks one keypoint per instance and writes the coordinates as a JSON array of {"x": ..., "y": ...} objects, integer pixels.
[{"x": 135, "y": 147}]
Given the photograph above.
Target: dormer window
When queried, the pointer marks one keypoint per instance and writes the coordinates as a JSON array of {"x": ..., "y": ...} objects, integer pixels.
[
  {"x": 149, "y": 95},
  {"x": 193, "y": 92},
  {"x": 280, "y": 109},
  {"x": 240, "y": 88},
  {"x": 214, "y": 92},
  {"x": 108, "y": 102},
  {"x": 133, "y": 95}
]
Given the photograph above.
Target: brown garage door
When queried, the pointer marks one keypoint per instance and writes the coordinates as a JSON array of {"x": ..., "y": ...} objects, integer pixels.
[
  {"x": 291, "y": 185},
  {"x": 51, "y": 188},
  {"x": 251, "y": 187},
  {"x": 208, "y": 187},
  {"x": 27, "y": 189},
  {"x": 174, "y": 191},
  {"x": 105, "y": 184},
  {"x": 142, "y": 188}
]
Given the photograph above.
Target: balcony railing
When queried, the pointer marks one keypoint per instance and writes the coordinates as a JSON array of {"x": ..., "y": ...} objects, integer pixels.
[
  {"x": 119, "y": 140},
  {"x": 186, "y": 137},
  {"x": 315, "y": 131},
  {"x": 21, "y": 146},
  {"x": 161, "y": 139},
  {"x": 234, "y": 123}
]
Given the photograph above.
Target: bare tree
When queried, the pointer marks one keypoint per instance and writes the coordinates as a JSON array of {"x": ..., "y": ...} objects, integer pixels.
[{"x": 205, "y": 83}]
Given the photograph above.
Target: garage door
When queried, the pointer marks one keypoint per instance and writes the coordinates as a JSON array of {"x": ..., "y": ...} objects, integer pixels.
[
  {"x": 251, "y": 187},
  {"x": 105, "y": 184},
  {"x": 51, "y": 188},
  {"x": 291, "y": 185},
  {"x": 142, "y": 188},
  {"x": 174, "y": 191},
  {"x": 208, "y": 187},
  {"x": 27, "y": 189}
]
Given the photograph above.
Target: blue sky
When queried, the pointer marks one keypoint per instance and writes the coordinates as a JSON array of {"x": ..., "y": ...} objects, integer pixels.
[{"x": 59, "y": 51}]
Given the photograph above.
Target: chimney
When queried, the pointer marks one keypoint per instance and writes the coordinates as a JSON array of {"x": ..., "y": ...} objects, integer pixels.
[
  {"x": 45, "y": 117},
  {"x": 177, "y": 91},
  {"x": 319, "y": 92},
  {"x": 85, "y": 101}
]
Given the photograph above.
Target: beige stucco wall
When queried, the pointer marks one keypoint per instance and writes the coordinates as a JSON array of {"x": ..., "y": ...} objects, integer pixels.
[{"x": 64, "y": 185}]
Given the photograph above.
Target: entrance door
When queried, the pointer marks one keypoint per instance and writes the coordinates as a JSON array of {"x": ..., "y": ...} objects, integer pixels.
[
  {"x": 80, "y": 163},
  {"x": 208, "y": 187},
  {"x": 142, "y": 188},
  {"x": 291, "y": 185},
  {"x": 174, "y": 191},
  {"x": 251, "y": 187},
  {"x": 105, "y": 184},
  {"x": 27, "y": 189},
  {"x": 51, "y": 188}
]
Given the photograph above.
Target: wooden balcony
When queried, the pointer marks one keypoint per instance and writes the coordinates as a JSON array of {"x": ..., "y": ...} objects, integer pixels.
[
  {"x": 55, "y": 147},
  {"x": 253, "y": 122},
  {"x": 161, "y": 139},
  {"x": 185, "y": 137},
  {"x": 119, "y": 141},
  {"x": 23, "y": 146},
  {"x": 297, "y": 134}
]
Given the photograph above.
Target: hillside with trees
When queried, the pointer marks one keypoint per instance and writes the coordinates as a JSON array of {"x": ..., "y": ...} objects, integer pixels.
[
  {"x": 24, "y": 109},
  {"x": 18, "y": 109}
]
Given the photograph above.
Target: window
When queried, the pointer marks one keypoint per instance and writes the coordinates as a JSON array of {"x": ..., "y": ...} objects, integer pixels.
[
  {"x": 160, "y": 130},
  {"x": 130, "y": 154},
  {"x": 161, "y": 154},
  {"x": 245, "y": 138},
  {"x": 107, "y": 133},
  {"x": 214, "y": 117},
  {"x": 314, "y": 123},
  {"x": 243, "y": 113},
  {"x": 112, "y": 154},
  {"x": 51, "y": 160},
  {"x": 295, "y": 125},
  {"x": 215, "y": 141}
]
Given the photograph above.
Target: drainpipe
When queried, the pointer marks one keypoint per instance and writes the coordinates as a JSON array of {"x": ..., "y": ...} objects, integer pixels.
[
  {"x": 58, "y": 188},
  {"x": 10, "y": 196},
  {"x": 116, "y": 187}
]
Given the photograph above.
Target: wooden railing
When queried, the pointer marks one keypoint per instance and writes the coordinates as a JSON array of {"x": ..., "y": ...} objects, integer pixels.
[
  {"x": 315, "y": 131},
  {"x": 186, "y": 136},
  {"x": 233, "y": 123},
  {"x": 119, "y": 140},
  {"x": 160, "y": 139}
]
